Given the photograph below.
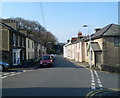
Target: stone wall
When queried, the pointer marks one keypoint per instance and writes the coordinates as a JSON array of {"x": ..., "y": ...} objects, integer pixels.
[{"x": 111, "y": 55}]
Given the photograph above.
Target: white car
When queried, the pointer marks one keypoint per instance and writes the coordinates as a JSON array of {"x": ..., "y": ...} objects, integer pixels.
[{"x": 53, "y": 56}]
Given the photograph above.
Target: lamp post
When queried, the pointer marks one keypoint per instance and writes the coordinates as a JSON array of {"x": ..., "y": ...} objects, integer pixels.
[
  {"x": 49, "y": 46},
  {"x": 89, "y": 34}
]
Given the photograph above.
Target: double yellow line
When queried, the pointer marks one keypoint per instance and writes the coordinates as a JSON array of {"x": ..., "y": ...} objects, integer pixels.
[{"x": 95, "y": 92}]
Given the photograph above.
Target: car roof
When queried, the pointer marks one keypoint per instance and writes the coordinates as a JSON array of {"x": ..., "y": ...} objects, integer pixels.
[{"x": 46, "y": 55}]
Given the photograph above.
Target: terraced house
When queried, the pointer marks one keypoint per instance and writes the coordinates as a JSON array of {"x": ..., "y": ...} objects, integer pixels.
[
  {"x": 105, "y": 48},
  {"x": 13, "y": 44},
  {"x": 18, "y": 48}
]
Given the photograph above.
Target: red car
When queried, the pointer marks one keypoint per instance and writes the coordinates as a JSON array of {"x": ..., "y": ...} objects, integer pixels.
[{"x": 46, "y": 61}]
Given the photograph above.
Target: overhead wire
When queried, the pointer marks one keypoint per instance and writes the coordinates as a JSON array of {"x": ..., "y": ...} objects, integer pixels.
[{"x": 42, "y": 13}]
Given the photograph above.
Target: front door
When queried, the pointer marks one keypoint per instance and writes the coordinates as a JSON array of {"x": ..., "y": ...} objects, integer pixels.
[
  {"x": 98, "y": 58},
  {"x": 16, "y": 57}
]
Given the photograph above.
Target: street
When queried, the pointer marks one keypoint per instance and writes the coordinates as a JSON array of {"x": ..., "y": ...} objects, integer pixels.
[{"x": 64, "y": 78}]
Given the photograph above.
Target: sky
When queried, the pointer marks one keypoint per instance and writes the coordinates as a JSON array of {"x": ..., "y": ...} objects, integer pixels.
[{"x": 64, "y": 19}]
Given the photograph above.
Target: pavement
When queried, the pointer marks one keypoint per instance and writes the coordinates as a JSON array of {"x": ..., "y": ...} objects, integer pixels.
[{"x": 87, "y": 66}]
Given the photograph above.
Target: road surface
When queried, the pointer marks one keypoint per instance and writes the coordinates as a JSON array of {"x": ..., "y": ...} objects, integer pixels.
[{"x": 64, "y": 78}]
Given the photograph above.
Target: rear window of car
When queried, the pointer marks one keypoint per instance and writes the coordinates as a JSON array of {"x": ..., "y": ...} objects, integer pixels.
[{"x": 46, "y": 58}]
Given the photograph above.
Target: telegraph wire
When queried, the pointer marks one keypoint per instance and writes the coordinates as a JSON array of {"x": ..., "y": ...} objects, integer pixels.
[{"x": 42, "y": 13}]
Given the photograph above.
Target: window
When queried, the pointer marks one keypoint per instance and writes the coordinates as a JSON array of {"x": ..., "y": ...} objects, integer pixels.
[
  {"x": 91, "y": 55},
  {"x": 32, "y": 44},
  {"x": 23, "y": 41},
  {"x": 117, "y": 41},
  {"x": 14, "y": 40},
  {"x": 87, "y": 49},
  {"x": 18, "y": 40},
  {"x": 28, "y": 44},
  {"x": 23, "y": 55}
]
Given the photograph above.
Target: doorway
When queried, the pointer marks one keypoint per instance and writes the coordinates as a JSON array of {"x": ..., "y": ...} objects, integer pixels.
[{"x": 16, "y": 57}]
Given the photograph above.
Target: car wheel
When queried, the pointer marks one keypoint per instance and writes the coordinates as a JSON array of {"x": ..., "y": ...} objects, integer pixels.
[{"x": 3, "y": 68}]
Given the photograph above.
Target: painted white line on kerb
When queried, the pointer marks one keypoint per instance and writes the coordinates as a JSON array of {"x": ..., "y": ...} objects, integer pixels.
[
  {"x": 98, "y": 79},
  {"x": 4, "y": 77},
  {"x": 92, "y": 81}
]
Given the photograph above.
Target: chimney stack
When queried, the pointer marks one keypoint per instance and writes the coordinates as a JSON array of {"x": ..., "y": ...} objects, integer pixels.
[
  {"x": 97, "y": 29},
  {"x": 80, "y": 35},
  {"x": 10, "y": 22},
  {"x": 73, "y": 39},
  {"x": 68, "y": 41}
]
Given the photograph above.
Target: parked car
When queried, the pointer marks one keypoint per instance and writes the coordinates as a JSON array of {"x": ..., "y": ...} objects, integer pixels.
[
  {"x": 4, "y": 66},
  {"x": 46, "y": 61}
]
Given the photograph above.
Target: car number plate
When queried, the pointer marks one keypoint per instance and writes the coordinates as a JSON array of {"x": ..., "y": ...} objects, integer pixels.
[{"x": 44, "y": 64}]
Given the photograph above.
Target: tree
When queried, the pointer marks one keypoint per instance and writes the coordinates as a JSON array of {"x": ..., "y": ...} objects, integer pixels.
[{"x": 35, "y": 29}]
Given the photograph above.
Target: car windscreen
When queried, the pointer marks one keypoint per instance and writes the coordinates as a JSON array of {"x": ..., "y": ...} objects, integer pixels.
[{"x": 46, "y": 58}]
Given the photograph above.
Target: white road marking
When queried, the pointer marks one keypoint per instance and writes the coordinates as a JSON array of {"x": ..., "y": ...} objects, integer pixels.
[
  {"x": 93, "y": 84},
  {"x": 18, "y": 73},
  {"x": 98, "y": 79},
  {"x": 93, "y": 87},
  {"x": 92, "y": 81},
  {"x": 12, "y": 74},
  {"x": 4, "y": 77},
  {"x": 6, "y": 74}
]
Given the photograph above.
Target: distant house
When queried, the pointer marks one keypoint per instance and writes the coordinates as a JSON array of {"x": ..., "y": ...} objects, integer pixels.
[
  {"x": 105, "y": 48},
  {"x": 38, "y": 50},
  {"x": 44, "y": 50},
  {"x": 13, "y": 44}
]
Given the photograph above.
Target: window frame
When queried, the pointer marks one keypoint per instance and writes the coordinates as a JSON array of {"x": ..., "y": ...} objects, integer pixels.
[
  {"x": 14, "y": 39},
  {"x": 28, "y": 44},
  {"x": 23, "y": 42},
  {"x": 117, "y": 41}
]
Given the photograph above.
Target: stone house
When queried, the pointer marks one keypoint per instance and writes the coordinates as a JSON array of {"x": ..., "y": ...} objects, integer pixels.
[
  {"x": 17, "y": 47},
  {"x": 38, "y": 50},
  {"x": 13, "y": 44},
  {"x": 106, "y": 47}
]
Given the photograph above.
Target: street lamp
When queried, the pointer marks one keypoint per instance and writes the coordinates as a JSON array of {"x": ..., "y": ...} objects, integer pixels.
[
  {"x": 49, "y": 46},
  {"x": 89, "y": 34}
]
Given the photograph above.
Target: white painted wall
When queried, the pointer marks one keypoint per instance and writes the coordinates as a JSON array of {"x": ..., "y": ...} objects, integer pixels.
[{"x": 30, "y": 50}]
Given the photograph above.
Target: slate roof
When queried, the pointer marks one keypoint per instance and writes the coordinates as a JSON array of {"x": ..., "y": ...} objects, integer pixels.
[
  {"x": 109, "y": 30},
  {"x": 15, "y": 31},
  {"x": 12, "y": 29},
  {"x": 101, "y": 32}
]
